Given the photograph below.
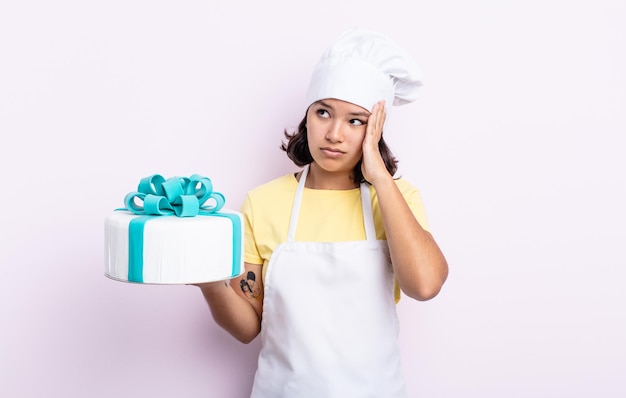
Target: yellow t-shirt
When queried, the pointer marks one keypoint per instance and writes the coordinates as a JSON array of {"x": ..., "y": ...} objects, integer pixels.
[{"x": 325, "y": 216}]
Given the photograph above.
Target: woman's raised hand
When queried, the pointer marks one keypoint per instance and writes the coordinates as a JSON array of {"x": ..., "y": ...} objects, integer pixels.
[{"x": 373, "y": 166}]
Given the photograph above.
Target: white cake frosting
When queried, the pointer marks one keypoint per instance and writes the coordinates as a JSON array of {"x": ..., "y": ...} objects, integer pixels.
[{"x": 171, "y": 249}]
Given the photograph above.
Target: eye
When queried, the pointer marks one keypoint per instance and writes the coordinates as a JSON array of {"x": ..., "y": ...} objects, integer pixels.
[
  {"x": 356, "y": 122},
  {"x": 323, "y": 113}
]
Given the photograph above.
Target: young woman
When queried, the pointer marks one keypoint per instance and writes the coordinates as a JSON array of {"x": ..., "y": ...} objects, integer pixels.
[{"x": 329, "y": 248}]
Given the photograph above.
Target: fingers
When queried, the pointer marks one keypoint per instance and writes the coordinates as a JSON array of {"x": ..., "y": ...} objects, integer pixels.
[
  {"x": 382, "y": 115},
  {"x": 373, "y": 165},
  {"x": 374, "y": 129},
  {"x": 376, "y": 120}
]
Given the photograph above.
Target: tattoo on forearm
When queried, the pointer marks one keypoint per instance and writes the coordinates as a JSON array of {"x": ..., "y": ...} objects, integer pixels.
[{"x": 249, "y": 286}]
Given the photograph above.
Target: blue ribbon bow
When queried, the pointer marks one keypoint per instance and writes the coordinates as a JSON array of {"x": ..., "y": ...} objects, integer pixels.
[{"x": 180, "y": 196}]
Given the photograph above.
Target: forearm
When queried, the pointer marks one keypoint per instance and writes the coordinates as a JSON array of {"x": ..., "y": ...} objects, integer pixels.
[
  {"x": 232, "y": 311},
  {"x": 418, "y": 263}
]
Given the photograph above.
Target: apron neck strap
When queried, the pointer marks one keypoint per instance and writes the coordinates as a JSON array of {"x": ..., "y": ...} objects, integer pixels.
[{"x": 366, "y": 204}]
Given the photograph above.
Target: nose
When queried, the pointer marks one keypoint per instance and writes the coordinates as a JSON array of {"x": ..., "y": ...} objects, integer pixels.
[{"x": 334, "y": 133}]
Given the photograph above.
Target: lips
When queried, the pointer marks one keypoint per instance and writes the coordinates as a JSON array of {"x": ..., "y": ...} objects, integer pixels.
[{"x": 332, "y": 151}]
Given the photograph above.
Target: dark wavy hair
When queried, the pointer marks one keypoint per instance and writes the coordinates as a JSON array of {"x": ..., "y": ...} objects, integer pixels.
[{"x": 297, "y": 149}]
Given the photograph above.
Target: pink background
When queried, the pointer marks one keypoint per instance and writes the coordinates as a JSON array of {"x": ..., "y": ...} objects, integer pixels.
[{"x": 517, "y": 144}]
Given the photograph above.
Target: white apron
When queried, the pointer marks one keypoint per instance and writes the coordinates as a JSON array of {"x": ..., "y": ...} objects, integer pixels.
[{"x": 329, "y": 324}]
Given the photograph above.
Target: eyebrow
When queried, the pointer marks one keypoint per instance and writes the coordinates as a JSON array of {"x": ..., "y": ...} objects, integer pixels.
[{"x": 363, "y": 114}]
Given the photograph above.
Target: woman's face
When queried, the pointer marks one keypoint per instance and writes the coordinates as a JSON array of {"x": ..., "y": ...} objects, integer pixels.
[{"x": 335, "y": 131}]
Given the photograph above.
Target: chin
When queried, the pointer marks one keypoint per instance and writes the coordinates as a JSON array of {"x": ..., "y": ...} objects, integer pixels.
[{"x": 334, "y": 167}]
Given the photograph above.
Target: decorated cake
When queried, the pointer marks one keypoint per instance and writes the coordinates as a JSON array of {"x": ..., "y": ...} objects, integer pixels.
[{"x": 173, "y": 231}]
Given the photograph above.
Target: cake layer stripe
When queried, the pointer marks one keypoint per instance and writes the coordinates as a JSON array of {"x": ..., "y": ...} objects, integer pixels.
[
  {"x": 236, "y": 240},
  {"x": 136, "y": 244},
  {"x": 135, "y": 248}
]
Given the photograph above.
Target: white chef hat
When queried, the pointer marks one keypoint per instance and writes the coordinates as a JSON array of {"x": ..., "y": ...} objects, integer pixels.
[{"x": 363, "y": 67}]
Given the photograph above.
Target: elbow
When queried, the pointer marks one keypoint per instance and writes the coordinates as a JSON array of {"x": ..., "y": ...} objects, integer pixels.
[
  {"x": 424, "y": 293},
  {"x": 245, "y": 336},
  {"x": 243, "y": 333},
  {"x": 426, "y": 290}
]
